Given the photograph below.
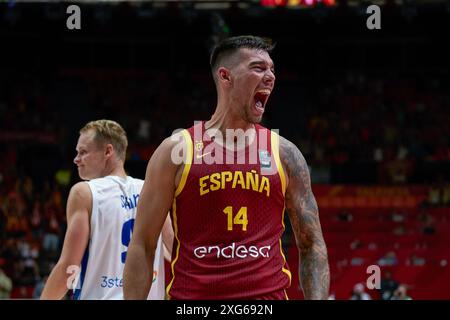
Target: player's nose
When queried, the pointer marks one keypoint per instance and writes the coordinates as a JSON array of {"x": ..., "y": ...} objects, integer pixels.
[{"x": 269, "y": 78}]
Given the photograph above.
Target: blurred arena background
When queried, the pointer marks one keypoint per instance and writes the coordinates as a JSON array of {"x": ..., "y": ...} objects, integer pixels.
[{"x": 368, "y": 109}]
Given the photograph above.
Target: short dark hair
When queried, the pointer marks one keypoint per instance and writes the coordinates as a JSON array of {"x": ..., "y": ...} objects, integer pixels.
[{"x": 229, "y": 46}]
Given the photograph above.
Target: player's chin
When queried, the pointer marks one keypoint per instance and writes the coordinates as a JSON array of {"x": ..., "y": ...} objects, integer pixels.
[
  {"x": 255, "y": 119},
  {"x": 83, "y": 174},
  {"x": 258, "y": 119}
]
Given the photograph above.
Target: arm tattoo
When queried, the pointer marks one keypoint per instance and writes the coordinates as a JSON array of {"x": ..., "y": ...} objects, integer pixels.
[{"x": 302, "y": 209}]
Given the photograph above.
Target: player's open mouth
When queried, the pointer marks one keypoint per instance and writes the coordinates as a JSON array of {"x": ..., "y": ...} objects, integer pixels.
[{"x": 260, "y": 98}]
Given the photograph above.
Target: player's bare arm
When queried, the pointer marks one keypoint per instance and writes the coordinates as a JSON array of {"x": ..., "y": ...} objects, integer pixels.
[
  {"x": 79, "y": 206},
  {"x": 304, "y": 216},
  {"x": 154, "y": 202}
]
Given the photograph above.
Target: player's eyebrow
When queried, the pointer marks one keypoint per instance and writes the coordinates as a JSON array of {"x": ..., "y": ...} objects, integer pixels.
[{"x": 258, "y": 62}]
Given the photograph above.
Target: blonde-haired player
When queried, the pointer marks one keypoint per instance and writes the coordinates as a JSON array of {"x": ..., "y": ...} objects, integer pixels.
[{"x": 100, "y": 220}]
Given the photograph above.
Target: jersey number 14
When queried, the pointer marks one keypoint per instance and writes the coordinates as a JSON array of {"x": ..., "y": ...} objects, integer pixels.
[{"x": 239, "y": 218}]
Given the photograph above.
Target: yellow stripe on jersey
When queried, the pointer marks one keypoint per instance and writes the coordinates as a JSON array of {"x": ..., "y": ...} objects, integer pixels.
[
  {"x": 275, "y": 144},
  {"x": 187, "y": 167},
  {"x": 172, "y": 265},
  {"x": 187, "y": 163},
  {"x": 282, "y": 253},
  {"x": 286, "y": 271}
]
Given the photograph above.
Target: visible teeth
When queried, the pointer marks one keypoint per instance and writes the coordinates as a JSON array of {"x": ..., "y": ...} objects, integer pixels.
[
  {"x": 265, "y": 91},
  {"x": 259, "y": 104}
]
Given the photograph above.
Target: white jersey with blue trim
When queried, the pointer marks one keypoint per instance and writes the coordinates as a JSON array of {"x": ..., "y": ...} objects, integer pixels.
[{"x": 114, "y": 206}]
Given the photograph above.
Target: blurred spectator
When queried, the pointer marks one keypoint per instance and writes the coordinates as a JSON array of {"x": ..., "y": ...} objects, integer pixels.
[
  {"x": 446, "y": 195},
  {"x": 359, "y": 293},
  {"x": 345, "y": 216},
  {"x": 415, "y": 260},
  {"x": 388, "y": 286},
  {"x": 16, "y": 223},
  {"x": 355, "y": 244},
  {"x": 28, "y": 256},
  {"x": 22, "y": 293},
  {"x": 390, "y": 259},
  {"x": 427, "y": 224},
  {"x": 399, "y": 230},
  {"x": 26, "y": 189},
  {"x": 378, "y": 154},
  {"x": 39, "y": 287},
  {"x": 51, "y": 240},
  {"x": 398, "y": 171},
  {"x": 357, "y": 261},
  {"x": 434, "y": 196},
  {"x": 36, "y": 221},
  {"x": 63, "y": 177},
  {"x": 401, "y": 293},
  {"x": 143, "y": 132},
  {"x": 5, "y": 285},
  {"x": 397, "y": 216},
  {"x": 372, "y": 245},
  {"x": 2, "y": 222}
]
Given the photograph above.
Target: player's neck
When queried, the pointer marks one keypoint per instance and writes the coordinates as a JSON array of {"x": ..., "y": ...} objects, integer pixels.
[
  {"x": 234, "y": 130},
  {"x": 116, "y": 170},
  {"x": 223, "y": 118}
]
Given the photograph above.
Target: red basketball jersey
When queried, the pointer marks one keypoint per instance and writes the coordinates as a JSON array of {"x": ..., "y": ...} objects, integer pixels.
[{"x": 228, "y": 221}]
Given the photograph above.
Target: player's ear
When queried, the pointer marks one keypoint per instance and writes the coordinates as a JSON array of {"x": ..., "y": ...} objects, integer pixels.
[
  {"x": 109, "y": 150},
  {"x": 223, "y": 74}
]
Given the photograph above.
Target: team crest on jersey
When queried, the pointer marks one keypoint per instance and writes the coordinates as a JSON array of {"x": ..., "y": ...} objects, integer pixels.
[
  {"x": 198, "y": 146},
  {"x": 264, "y": 158}
]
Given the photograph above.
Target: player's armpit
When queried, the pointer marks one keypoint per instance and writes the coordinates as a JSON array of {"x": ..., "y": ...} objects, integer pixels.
[{"x": 303, "y": 212}]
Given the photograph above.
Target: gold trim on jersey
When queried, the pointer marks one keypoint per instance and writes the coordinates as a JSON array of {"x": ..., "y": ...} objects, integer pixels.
[
  {"x": 275, "y": 144},
  {"x": 182, "y": 183},
  {"x": 286, "y": 271},
  {"x": 187, "y": 163},
  {"x": 172, "y": 265}
]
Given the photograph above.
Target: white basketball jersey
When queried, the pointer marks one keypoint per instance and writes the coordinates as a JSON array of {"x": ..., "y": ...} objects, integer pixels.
[{"x": 112, "y": 220}]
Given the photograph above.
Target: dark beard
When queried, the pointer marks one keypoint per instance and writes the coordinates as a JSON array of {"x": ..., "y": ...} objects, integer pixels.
[{"x": 250, "y": 118}]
